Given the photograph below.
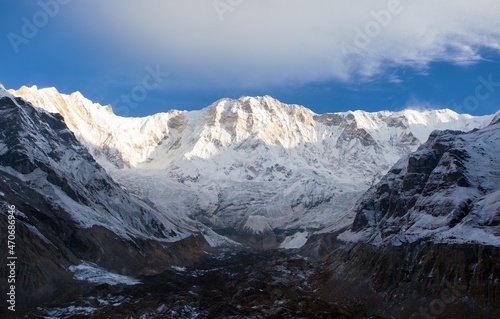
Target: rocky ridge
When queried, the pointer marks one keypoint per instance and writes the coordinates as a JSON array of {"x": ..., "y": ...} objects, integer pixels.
[
  {"x": 69, "y": 211},
  {"x": 425, "y": 239}
]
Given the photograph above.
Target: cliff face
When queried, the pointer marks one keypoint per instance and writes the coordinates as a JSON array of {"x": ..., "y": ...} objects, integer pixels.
[
  {"x": 446, "y": 191},
  {"x": 418, "y": 280}
]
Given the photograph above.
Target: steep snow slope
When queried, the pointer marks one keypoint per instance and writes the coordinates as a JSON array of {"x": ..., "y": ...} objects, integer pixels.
[
  {"x": 251, "y": 165},
  {"x": 37, "y": 148},
  {"x": 119, "y": 140}
]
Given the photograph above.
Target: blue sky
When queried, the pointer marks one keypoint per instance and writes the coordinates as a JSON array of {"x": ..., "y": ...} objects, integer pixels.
[{"x": 326, "y": 55}]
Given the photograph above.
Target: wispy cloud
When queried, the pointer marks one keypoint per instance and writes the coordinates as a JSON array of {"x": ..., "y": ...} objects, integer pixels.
[
  {"x": 262, "y": 42},
  {"x": 417, "y": 104}
]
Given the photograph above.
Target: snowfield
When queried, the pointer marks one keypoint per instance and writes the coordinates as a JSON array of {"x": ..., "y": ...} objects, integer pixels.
[{"x": 92, "y": 273}]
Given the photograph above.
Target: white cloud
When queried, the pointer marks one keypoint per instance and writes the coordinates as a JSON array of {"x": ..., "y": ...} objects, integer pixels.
[{"x": 263, "y": 42}]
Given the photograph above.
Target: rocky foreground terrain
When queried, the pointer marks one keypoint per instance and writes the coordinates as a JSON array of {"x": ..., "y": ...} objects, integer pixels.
[
  {"x": 227, "y": 284},
  {"x": 361, "y": 282}
]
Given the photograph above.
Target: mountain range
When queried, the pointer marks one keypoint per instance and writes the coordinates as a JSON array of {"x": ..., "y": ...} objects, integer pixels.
[
  {"x": 383, "y": 201},
  {"x": 254, "y": 169}
]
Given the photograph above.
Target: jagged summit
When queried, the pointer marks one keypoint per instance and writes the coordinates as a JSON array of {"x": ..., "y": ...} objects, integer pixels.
[
  {"x": 3, "y": 91},
  {"x": 252, "y": 164},
  {"x": 266, "y": 102}
]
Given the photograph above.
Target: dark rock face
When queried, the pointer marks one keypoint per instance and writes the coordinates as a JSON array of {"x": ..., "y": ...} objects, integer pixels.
[
  {"x": 330, "y": 119},
  {"x": 430, "y": 181},
  {"x": 441, "y": 280},
  {"x": 50, "y": 177},
  {"x": 352, "y": 132},
  {"x": 426, "y": 236}
]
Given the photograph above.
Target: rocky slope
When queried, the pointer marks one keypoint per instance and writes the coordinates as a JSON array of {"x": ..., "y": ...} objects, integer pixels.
[
  {"x": 425, "y": 240},
  {"x": 69, "y": 212},
  {"x": 254, "y": 169},
  {"x": 447, "y": 191},
  {"x": 229, "y": 284}
]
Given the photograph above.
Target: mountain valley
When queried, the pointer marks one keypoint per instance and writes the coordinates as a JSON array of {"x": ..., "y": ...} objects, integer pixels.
[{"x": 250, "y": 208}]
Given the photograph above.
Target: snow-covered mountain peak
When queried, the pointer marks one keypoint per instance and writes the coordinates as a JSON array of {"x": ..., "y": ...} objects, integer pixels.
[
  {"x": 257, "y": 118},
  {"x": 229, "y": 121},
  {"x": 53, "y": 101},
  {"x": 3, "y": 92},
  {"x": 253, "y": 156},
  {"x": 122, "y": 141},
  {"x": 230, "y": 128}
]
